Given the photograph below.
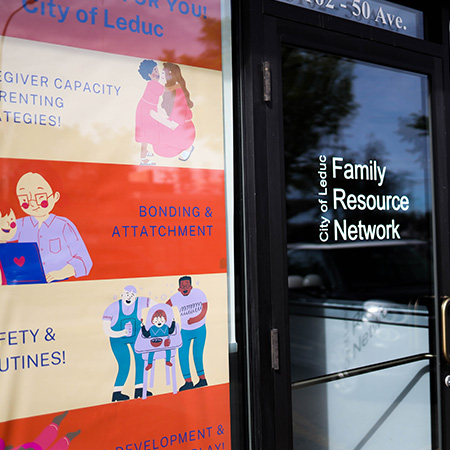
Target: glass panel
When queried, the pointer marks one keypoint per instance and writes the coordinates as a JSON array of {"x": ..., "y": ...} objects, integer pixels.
[
  {"x": 358, "y": 199},
  {"x": 362, "y": 413},
  {"x": 350, "y": 334},
  {"x": 376, "y": 13}
]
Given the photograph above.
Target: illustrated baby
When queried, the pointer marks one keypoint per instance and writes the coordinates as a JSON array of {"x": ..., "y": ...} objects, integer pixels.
[{"x": 158, "y": 333}]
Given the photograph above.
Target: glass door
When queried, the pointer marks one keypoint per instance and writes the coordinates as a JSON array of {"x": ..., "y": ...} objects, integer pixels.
[{"x": 359, "y": 218}]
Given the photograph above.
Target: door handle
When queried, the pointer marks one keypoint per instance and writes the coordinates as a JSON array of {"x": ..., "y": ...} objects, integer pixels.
[{"x": 444, "y": 307}]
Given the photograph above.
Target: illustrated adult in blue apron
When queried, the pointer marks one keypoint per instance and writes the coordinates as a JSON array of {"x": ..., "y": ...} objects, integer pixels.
[{"x": 122, "y": 323}]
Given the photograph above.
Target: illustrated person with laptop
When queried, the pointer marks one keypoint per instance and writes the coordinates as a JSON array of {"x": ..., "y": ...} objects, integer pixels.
[
  {"x": 62, "y": 250},
  {"x": 7, "y": 232}
]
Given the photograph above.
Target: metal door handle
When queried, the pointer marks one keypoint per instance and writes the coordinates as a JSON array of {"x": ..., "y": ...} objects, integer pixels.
[{"x": 444, "y": 308}]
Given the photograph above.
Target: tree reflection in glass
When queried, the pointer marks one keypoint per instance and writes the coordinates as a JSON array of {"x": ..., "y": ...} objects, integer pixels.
[{"x": 370, "y": 126}]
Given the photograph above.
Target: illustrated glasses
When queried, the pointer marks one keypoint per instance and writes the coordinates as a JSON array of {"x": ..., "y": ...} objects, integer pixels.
[{"x": 40, "y": 199}]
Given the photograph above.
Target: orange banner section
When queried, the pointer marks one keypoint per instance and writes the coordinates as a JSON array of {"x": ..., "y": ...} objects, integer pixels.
[
  {"x": 168, "y": 30},
  {"x": 193, "y": 420},
  {"x": 135, "y": 221}
]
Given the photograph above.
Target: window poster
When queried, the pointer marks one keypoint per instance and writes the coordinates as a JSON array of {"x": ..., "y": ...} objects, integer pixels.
[{"x": 113, "y": 298}]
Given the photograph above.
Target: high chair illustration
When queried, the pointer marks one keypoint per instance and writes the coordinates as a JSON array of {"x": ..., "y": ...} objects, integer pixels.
[{"x": 156, "y": 346}]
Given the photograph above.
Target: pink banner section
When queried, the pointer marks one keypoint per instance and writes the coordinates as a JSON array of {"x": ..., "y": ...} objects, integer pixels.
[{"x": 167, "y": 30}]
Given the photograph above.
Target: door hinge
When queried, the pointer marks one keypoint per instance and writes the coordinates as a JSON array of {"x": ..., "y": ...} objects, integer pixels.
[
  {"x": 275, "y": 349},
  {"x": 267, "y": 82}
]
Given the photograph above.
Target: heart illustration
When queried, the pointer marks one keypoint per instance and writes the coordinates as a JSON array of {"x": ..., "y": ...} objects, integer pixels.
[{"x": 20, "y": 261}]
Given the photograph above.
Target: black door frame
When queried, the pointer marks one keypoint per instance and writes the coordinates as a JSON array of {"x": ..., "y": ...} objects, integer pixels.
[{"x": 262, "y": 26}]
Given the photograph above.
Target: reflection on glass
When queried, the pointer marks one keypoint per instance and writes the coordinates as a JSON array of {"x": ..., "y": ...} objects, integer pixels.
[
  {"x": 359, "y": 236},
  {"x": 370, "y": 412},
  {"x": 373, "y": 135},
  {"x": 179, "y": 32}
]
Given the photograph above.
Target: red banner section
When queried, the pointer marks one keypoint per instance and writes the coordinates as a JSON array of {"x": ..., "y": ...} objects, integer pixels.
[
  {"x": 168, "y": 30},
  {"x": 192, "y": 420},
  {"x": 134, "y": 221}
]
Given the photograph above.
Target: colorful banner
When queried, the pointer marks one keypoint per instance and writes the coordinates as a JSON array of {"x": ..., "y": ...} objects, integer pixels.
[{"x": 113, "y": 257}]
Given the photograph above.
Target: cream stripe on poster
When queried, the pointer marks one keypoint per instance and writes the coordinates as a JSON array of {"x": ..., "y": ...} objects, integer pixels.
[
  {"x": 58, "y": 328},
  {"x": 63, "y": 103}
]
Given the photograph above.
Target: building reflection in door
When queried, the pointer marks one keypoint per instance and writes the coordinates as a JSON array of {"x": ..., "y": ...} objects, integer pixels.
[{"x": 359, "y": 294}]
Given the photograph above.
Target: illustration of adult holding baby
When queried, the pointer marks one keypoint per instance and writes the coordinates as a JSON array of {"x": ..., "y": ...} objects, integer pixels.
[
  {"x": 175, "y": 131},
  {"x": 61, "y": 247},
  {"x": 147, "y": 128},
  {"x": 121, "y": 322}
]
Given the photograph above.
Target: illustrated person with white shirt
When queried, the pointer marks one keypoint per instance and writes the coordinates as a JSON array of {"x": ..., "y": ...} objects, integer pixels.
[
  {"x": 192, "y": 306},
  {"x": 121, "y": 322},
  {"x": 61, "y": 247}
]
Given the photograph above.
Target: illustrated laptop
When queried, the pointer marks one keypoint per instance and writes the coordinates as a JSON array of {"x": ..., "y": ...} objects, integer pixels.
[{"x": 21, "y": 263}]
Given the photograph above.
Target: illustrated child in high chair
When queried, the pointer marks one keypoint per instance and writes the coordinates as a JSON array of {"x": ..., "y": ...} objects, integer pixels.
[{"x": 158, "y": 334}]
